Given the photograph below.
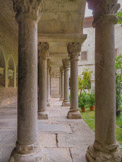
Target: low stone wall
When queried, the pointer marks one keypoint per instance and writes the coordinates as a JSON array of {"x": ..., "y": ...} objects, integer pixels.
[{"x": 8, "y": 96}]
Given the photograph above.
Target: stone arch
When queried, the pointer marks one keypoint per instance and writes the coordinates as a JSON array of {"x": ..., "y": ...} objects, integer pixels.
[
  {"x": 2, "y": 69},
  {"x": 11, "y": 70}
]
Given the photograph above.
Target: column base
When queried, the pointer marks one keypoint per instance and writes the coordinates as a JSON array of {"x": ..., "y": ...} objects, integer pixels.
[
  {"x": 108, "y": 153},
  {"x": 74, "y": 114},
  {"x": 27, "y": 156},
  {"x": 66, "y": 103},
  {"x": 43, "y": 115}
]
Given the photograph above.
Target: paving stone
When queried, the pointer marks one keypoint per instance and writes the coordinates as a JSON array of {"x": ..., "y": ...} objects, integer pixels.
[
  {"x": 47, "y": 140},
  {"x": 57, "y": 155},
  {"x": 78, "y": 155},
  {"x": 8, "y": 124},
  {"x": 59, "y": 137},
  {"x": 5, "y": 153},
  {"x": 55, "y": 128},
  {"x": 75, "y": 140}
]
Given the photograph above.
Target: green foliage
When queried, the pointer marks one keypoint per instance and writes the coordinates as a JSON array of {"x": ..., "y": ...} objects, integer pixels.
[
  {"x": 85, "y": 81},
  {"x": 119, "y": 16},
  {"x": 91, "y": 99},
  {"x": 89, "y": 118},
  {"x": 118, "y": 66},
  {"x": 82, "y": 100}
]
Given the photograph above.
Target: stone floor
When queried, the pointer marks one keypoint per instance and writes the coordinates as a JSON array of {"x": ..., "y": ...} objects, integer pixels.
[{"x": 62, "y": 140}]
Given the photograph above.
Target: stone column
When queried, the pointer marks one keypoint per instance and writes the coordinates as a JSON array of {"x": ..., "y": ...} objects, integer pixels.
[
  {"x": 15, "y": 78},
  {"x": 74, "y": 50},
  {"x": 42, "y": 101},
  {"x": 27, "y": 147},
  {"x": 59, "y": 86},
  {"x": 66, "y": 83},
  {"x": 62, "y": 83},
  {"x": 105, "y": 147},
  {"x": 6, "y": 76},
  {"x": 48, "y": 83}
]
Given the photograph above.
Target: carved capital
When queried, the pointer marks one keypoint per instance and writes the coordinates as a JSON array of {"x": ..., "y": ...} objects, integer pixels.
[
  {"x": 43, "y": 50},
  {"x": 65, "y": 63},
  {"x": 103, "y": 9},
  {"x": 27, "y": 9},
  {"x": 74, "y": 50}
]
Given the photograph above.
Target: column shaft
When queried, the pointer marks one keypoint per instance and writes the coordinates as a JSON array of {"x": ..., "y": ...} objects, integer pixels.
[
  {"x": 74, "y": 52},
  {"x": 62, "y": 84},
  {"x": 42, "y": 102},
  {"x": 27, "y": 83},
  {"x": 48, "y": 86},
  {"x": 66, "y": 86},
  {"x": 74, "y": 85},
  {"x": 105, "y": 83},
  {"x": 105, "y": 147}
]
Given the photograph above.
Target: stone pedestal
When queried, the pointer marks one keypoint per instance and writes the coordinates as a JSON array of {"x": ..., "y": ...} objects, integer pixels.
[
  {"x": 27, "y": 148},
  {"x": 105, "y": 147},
  {"x": 62, "y": 84},
  {"x": 74, "y": 52},
  {"x": 66, "y": 83},
  {"x": 42, "y": 101}
]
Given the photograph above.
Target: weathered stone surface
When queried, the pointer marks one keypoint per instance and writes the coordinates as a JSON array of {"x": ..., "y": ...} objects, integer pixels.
[
  {"x": 78, "y": 155},
  {"x": 55, "y": 128},
  {"x": 62, "y": 140},
  {"x": 58, "y": 155},
  {"x": 75, "y": 140},
  {"x": 47, "y": 140}
]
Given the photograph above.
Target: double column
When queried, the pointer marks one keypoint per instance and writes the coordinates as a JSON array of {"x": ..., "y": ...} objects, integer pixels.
[
  {"x": 105, "y": 147},
  {"x": 42, "y": 100},
  {"x": 74, "y": 50},
  {"x": 27, "y": 148},
  {"x": 66, "y": 83}
]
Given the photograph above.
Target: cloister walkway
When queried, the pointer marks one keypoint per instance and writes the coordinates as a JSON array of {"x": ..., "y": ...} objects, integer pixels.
[{"x": 63, "y": 140}]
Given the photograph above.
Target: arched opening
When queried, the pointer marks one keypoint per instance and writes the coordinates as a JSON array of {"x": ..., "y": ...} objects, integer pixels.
[
  {"x": 11, "y": 72},
  {"x": 2, "y": 70}
]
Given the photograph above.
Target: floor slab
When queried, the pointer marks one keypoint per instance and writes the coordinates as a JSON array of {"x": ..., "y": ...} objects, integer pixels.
[{"x": 61, "y": 139}]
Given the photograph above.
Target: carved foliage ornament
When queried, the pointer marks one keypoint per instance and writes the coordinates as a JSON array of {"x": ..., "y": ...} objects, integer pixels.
[
  {"x": 104, "y": 7},
  {"x": 30, "y": 8},
  {"x": 43, "y": 49},
  {"x": 74, "y": 49}
]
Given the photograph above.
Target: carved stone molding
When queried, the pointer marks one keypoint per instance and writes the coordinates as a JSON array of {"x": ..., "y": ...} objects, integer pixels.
[
  {"x": 26, "y": 149},
  {"x": 43, "y": 50},
  {"x": 104, "y": 8},
  {"x": 74, "y": 50},
  {"x": 27, "y": 9},
  {"x": 65, "y": 63}
]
